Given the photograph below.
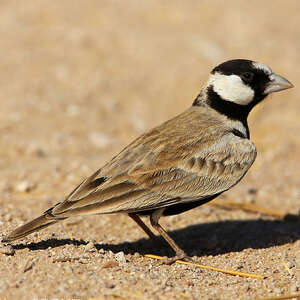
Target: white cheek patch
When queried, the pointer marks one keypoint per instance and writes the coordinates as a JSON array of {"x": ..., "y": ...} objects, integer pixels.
[
  {"x": 231, "y": 88},
  {"x": 262, "y": 67}
]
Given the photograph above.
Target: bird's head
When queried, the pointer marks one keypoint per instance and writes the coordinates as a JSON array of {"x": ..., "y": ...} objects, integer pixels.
[{"x": 238, "y": 85}]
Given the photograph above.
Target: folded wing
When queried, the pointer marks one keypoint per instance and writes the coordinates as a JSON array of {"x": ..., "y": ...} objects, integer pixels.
[{"x": 140, "y": 179}]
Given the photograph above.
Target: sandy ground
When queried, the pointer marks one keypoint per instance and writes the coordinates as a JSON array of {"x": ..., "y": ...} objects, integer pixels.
[{"x": 78, "y": 81}]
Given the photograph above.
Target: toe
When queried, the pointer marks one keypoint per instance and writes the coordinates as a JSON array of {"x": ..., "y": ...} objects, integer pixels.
[{"x": 179, "y": 256}]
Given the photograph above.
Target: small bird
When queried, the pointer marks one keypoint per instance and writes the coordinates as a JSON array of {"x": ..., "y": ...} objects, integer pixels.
[{"x": 180, "y": 164}]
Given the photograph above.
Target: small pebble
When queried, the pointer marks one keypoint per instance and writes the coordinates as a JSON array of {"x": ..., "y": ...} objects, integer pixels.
[
  {"x": 90, "y": 247},
  {"x": 136, "y": 255},
  {"x": 290, "y": 265},
  {"x": 7, "y": 250},
  {"x": 24, "y": 186},
  {"x": 120, "y": 257},
  {"x": 8, "y": 217}
]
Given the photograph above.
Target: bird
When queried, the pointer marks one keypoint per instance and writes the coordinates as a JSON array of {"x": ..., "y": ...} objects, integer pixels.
[{"x": 181, "y": 164}]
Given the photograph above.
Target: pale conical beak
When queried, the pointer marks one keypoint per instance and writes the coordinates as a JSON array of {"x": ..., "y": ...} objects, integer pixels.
[{"x": 277, "y": 83}]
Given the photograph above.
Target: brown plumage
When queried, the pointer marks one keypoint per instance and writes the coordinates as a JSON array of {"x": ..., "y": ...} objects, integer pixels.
[{"x": 187, "y": 160}]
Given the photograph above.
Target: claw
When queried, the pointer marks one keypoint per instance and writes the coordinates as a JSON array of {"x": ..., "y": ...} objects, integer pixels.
[{"x": 179, "y": 256}]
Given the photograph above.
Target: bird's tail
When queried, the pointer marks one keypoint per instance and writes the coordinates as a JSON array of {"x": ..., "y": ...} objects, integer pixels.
[{"x": 45, "y": 220}]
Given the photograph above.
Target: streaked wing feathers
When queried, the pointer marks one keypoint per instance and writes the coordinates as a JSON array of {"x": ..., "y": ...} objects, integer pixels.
[{"x": 171, "y": 163}]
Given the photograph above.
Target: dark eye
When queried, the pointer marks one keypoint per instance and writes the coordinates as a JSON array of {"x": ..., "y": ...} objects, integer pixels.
[{"x": 247, "y": 76}]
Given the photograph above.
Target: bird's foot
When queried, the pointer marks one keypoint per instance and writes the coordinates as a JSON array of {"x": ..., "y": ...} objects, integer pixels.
[{"x": 179, "y": 256}]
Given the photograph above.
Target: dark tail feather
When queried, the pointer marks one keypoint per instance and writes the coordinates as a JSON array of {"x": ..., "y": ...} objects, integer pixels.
[{"x": 39, "y": 223}]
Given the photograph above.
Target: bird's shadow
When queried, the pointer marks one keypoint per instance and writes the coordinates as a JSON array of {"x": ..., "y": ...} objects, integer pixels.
[{"x": 201, "y": 239}]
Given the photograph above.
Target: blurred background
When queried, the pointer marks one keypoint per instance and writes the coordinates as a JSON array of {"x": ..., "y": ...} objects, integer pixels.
[{"x": 80, "y": 79}]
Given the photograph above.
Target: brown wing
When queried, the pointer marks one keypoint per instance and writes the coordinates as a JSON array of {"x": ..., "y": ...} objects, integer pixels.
[{"x": 181, "y": 160}]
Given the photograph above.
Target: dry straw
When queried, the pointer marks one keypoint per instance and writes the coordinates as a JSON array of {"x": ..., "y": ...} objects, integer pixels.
[{"x": 211, "y": 268}]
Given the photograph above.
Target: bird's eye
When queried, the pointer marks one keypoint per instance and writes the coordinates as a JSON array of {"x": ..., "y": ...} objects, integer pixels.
[{"x": 247, "y": 76}]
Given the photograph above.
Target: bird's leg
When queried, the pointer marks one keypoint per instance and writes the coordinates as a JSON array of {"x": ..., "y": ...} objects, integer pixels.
[
  {"x": 180, "y": 254},
  {"x": 139, "y": 221}
]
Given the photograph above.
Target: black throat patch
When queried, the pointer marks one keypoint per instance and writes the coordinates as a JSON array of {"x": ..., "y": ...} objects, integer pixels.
[{"x": 229, "y": 109}]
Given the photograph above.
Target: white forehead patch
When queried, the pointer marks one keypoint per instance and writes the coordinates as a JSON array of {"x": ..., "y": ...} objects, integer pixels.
[
  {"x": 231, "y": 88},
  {"x": 263, "y": 67}
]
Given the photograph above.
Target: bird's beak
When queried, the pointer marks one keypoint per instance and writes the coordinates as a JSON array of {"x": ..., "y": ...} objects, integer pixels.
[{"x": 277, "y": 83}]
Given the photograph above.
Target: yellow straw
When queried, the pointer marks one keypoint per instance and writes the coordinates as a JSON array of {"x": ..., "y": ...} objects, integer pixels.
[{"x": 210, "y": 268}]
